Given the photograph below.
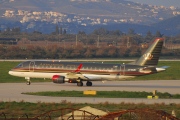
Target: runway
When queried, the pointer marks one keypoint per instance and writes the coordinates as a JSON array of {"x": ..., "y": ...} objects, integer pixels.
[{"x": 12, "y": 91}]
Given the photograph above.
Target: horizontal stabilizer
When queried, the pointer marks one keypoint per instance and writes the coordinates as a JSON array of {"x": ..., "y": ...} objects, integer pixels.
[{"x": 165, "y": 67}]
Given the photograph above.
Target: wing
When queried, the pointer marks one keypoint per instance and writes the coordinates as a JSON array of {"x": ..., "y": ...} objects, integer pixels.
[{"x": 77, "y": 75}]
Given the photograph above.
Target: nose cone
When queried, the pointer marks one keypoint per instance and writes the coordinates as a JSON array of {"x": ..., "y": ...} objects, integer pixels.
[{"x": 11, "y": 72}]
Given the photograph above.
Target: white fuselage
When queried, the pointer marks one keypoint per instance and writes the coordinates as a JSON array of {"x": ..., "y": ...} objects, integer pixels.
[{"x": 92, "y": 77}]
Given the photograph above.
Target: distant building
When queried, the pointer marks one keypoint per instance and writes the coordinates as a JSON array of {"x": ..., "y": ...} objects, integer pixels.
[
  {"x": 8, "y": 41},
  {"x": 77, "y": 115}
]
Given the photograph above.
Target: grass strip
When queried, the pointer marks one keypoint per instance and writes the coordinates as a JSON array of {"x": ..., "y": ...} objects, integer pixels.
[{"x": 104, "y": 94}]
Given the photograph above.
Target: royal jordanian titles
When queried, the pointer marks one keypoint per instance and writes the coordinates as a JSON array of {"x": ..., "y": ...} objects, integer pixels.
[{"x": 73, "y": 72}]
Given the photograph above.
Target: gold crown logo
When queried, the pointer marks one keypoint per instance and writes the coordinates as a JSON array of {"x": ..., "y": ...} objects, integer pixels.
[{"x": 148, "y": 56}]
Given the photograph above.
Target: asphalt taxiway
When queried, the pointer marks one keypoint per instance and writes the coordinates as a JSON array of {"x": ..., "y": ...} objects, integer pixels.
[{"x": 13, "y": 91}]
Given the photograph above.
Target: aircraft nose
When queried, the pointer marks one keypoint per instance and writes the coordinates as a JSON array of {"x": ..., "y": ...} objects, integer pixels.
[{"x": 11, "y": 72}]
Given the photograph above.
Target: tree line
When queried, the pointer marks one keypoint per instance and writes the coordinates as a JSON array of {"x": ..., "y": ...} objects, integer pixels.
[
  {"x": 79, "y": 51},
  {"x": 101, "y": 43}
]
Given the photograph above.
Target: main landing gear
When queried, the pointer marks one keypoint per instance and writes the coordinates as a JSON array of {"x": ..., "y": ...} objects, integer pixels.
[
  {"x": 80, "y": 83},
  {"x": 87, "y": 84}
]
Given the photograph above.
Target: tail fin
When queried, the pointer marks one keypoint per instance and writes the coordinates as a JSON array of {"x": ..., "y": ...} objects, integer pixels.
[{"x": 151, "y": 56}]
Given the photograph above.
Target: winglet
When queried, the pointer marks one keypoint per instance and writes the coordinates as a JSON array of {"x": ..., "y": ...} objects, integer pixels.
[{"x": 78, "y": 68}]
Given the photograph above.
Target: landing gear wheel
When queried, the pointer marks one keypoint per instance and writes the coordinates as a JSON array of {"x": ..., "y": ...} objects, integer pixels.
[
  {"x": 80, "y": 84},
  {"x": 89, "y": 83},
  {"x": 28, "y": 80},
  {"x": 28, "y": 83}
]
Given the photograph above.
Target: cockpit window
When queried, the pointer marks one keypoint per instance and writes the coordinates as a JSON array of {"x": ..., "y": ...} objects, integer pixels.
[{"x": 20, "y": 65}]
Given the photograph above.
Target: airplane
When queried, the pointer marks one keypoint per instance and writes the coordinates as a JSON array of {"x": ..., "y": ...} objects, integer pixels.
[{"x": 77, "y": 72}]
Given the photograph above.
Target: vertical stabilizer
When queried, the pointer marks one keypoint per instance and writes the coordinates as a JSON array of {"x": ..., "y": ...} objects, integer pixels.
[{"x": 151, "y": 56}]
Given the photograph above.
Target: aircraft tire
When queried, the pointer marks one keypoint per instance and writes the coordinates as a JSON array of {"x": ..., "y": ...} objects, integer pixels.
[
  {"x": 80, "y": 84},
  {"x": 89, "y": 83},
  {"x": 28, "y": 83}
]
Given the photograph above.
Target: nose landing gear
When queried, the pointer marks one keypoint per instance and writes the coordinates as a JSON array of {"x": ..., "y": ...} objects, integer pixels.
[{"x": 28, "y": 80}]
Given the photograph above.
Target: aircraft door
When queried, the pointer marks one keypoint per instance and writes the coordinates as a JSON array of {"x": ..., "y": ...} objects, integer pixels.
[
  {"x": 122, "y": 69},
  {"x": 31, "y": 66}
]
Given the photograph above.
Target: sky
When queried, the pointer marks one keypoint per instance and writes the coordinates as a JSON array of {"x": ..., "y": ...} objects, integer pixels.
[{"x": 166, "y": 3}]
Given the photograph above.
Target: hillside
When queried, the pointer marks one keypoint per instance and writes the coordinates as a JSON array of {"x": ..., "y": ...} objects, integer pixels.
[
  {"x": 169, "y": 24},
  {"x": 75, "y": 15},
  {"x": 120, "y": 9}
]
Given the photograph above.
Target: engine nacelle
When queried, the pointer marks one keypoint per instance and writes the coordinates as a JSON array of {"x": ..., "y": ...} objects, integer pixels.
[{"x": 58, "y": 79}]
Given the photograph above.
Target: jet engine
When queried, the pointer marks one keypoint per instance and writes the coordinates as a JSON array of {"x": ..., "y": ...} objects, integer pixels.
[{"x": 58, "y": 79}]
